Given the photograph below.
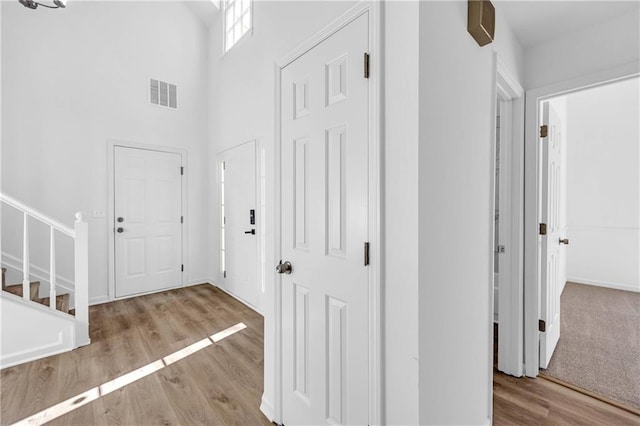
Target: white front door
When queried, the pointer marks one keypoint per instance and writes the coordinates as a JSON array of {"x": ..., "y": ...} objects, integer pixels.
[
  {"x": 551, "y": 260},
  {"x": 238, "y": 236},
  {"x": 147, "y": 220},
  {"x": 324, "y": 157}
]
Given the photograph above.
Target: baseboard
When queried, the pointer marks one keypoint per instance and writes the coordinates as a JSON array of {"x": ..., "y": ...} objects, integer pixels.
[
  {"x": 267, "y": 409},
  {"x": 198, "y": 281},
  {"x": 255, "y": 308},
  {"x": 98, "y": 300},
  {"x": 611, "y": 285}
]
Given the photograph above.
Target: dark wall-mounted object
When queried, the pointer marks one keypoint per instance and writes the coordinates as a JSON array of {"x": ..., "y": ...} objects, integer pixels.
[{"x": 481, "y": 21}]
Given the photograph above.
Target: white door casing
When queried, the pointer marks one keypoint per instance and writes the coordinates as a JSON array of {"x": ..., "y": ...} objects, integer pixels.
[
  {"x": 551, "y": 268},
  {"x": 147, "y": 220},
  {"x": 240, "y": 274},
  {"x": 324, "y": 225}
]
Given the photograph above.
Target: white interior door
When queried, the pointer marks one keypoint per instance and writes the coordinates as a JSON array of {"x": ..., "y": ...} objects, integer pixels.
[
  {"x": 238, "y": 236},
  {"x": 324, "y": 157},
  {"x": 147, "y": 222},
  {"x": 551, "y": 280}
]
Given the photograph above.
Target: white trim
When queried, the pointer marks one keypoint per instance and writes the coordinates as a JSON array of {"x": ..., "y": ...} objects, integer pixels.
[
  {"x": 98, "y": 300},
  {"x": 10, "y": 201},
  {"x": 267, "y": 409},
  {"x": 532, "y": 197},
  {"x": 511, "y": 97},
  {"x": 374, "y": 11},
  {"x": 606, "y": 284},
  {"x": 111, "y": 145}
]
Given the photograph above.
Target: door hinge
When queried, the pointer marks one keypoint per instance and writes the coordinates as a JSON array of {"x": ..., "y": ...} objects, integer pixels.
[
  {"x": 182, "y": 268},
  {"x": 542, "y": 325},
  {"x": 181, "y": 219},
  {"x": 544, "y": 131},
  {"x": 366, "y": 65},
  {"x": 543, "y": 229},
  {"x": 181, "y": 170},
  {"x": 366, "y": 253},
  {"x": 224, "y": 274}
]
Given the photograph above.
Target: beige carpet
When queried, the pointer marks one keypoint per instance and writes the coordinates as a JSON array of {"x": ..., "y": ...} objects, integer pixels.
[{"x": 599, "y": 348}]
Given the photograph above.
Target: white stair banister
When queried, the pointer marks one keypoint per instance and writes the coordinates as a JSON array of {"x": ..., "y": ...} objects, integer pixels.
[
  {"x": 52, "y": 268},
  {"x": 81, "y": 251},
  {"x": 26, "y": 273}
]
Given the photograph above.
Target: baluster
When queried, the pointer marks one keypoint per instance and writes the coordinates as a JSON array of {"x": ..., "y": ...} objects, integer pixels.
[
  {"x": 26, "y": 283},
  {"x": 52, "y": 269}
]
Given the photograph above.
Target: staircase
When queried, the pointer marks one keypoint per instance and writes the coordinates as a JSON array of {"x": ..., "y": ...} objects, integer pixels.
[
  {"x": 62, "y": 300},
  {"x": 32, "y": 326}
]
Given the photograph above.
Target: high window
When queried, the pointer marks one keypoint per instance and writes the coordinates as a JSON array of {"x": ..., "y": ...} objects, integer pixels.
[{"x": 237, "y": 21}]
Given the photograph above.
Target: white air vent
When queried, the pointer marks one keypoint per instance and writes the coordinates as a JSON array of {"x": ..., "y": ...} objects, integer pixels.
[{"x": 163, "y": 94}]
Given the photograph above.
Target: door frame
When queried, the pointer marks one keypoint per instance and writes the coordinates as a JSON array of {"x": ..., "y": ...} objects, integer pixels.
[
  {"x": 374, "y": 11},
  {"x": 534, "y": 98},
  {"x": 510, "y": 96},
  {"x": 111, "y": 271}
]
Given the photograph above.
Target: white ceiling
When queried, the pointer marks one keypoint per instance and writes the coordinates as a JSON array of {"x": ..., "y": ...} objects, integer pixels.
[{"x": 535, "y": 22}]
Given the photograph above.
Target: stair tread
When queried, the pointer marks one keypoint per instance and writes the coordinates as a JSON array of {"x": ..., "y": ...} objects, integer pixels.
[
  {"x": 17, "y": 289},
  {"x": 62, "y": 302}
]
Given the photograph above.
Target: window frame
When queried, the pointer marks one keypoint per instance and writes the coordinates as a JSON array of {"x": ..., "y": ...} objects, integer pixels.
[{"x": 225, "y": 7}]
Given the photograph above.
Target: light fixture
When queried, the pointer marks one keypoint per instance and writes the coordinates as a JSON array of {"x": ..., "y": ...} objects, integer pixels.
[{"x": 32, "y": 4}]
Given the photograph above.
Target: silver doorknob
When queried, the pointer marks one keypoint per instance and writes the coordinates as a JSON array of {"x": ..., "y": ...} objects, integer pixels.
[
  {"x": 564, "y": 241},
  {"x": 284, "y": 268}
]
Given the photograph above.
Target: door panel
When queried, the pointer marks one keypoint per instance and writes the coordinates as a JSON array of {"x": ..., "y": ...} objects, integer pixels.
[
  {"x": 324, "y": 149},
  {"x": 551, "y": 268},
  {"x": 240, "y": 275},
  {"x": 148, "y": 198}
]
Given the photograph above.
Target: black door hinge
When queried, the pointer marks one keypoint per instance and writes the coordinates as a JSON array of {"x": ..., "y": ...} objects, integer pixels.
[
  {"x": 366, "y": 65},
  {"x": 182, "y": 268},
  {"x": 542, "y": 326},
  {"x": 181, "y": 219},
  {"x": 543, "y": 229},
  {"x": 544, "y": 131},
  {"x": 181, "y": 170},
  {"x": 366, "y": 254}
]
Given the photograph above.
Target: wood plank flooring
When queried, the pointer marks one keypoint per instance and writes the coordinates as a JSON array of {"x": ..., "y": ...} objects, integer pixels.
[{"x": 222, "y": 383}]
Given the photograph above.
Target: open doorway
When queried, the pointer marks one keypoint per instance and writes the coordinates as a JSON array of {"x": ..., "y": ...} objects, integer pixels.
[{"x": 599, "y": 246}]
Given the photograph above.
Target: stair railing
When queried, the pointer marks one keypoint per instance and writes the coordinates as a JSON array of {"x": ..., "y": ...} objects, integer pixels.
[{"x": 80, "y": 235}]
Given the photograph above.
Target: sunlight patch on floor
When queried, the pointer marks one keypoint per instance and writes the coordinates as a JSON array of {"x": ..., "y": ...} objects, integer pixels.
[{"x": 85, "y": 398}]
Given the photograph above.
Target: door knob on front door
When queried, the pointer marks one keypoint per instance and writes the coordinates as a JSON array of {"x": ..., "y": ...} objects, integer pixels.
[
  {"x": 564, "y": 241},
  {"x": 284, "y": 268},
  {"x": 120, "y": 230}
]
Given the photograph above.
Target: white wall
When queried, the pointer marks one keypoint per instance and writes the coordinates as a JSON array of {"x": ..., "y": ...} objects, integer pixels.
[
  {"x": 457, "y": 119},
  {"x": 401, "y": 221},
  {"x": 603, "y": 193},
  {"x": 74, "y": 78},
  {"x": 599, "y": 47}
]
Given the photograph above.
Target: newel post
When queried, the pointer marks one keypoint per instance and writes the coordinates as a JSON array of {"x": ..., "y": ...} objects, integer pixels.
[{"x": 81, "y": 251}]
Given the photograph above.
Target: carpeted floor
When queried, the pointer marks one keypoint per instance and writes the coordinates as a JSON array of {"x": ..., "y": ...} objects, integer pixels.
[{"x": 599, "y": 348}]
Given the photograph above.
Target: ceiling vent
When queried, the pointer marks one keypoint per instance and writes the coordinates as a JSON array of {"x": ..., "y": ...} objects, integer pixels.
[{"x": 163, "y": 94}]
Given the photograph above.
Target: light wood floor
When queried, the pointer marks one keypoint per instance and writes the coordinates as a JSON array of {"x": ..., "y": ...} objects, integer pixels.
[{"x": 221, "y": 384}]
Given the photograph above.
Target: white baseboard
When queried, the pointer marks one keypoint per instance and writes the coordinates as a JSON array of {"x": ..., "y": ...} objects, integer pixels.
[
  {"x": 267, "y": 409},
  {"x": 248, "y": 305},
  {"x": 98, "y": 300},
  {"x": 615, "y": 286}
]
